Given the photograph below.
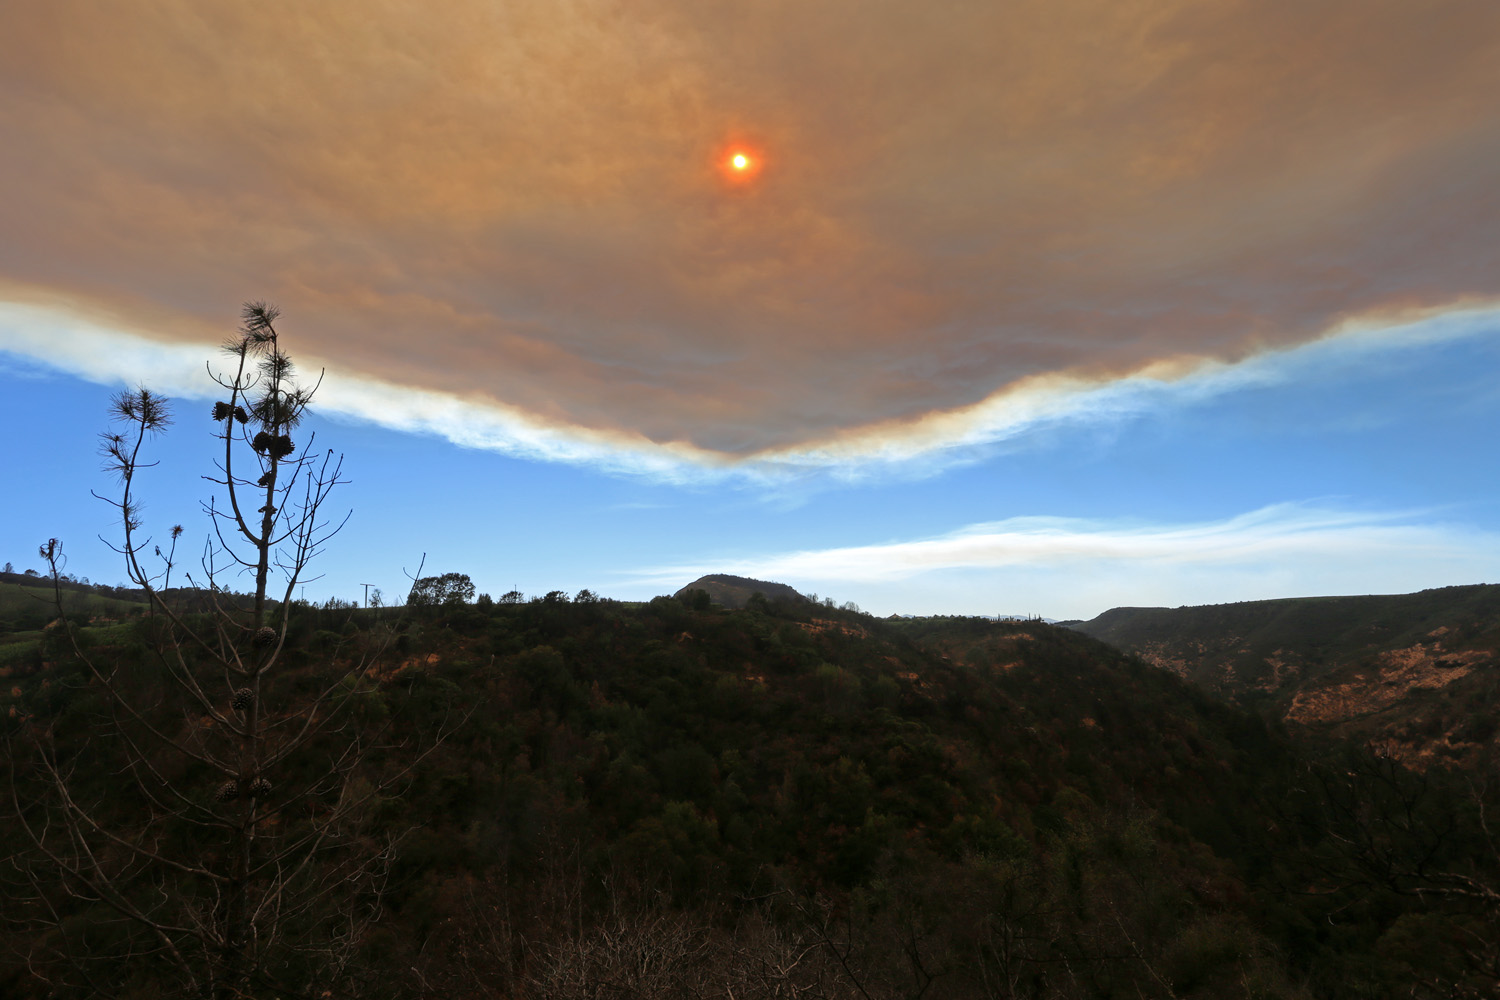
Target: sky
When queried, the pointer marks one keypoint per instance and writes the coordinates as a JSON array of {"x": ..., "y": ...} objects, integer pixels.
[{"x": 1043, "y": 307}]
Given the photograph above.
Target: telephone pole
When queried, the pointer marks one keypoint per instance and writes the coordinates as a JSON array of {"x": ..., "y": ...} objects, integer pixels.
[{"x": 367, "y": 587}]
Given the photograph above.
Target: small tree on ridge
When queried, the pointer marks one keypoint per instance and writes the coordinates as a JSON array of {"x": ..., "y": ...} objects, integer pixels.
[{"x": 226, "y": 856}]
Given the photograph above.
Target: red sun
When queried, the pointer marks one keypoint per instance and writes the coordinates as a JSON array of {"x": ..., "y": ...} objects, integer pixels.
[{"x": 740, "y": 163}]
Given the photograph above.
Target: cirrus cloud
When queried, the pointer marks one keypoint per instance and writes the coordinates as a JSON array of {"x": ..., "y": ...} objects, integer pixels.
[
  {"x": 1071, "y": 567},
  {"x": 101, "y": 353}
]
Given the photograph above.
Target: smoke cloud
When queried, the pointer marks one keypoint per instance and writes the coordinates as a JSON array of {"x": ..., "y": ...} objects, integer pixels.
[{"x": 520, "y": 206}]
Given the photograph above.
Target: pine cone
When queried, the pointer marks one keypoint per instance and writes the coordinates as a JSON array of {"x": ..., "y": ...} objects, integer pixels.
[
  {"x": 228, "y": 791},
  {"x": 266, "y": 636},
  {"x": 241, "y": 415},
  {"x": 261, "y": 441},
  {"x": 222, "y": 411},
  {"x": 241, "y": 700},
  {"x": 281, "y": 446},
  {"x": 260, "y": 788}
]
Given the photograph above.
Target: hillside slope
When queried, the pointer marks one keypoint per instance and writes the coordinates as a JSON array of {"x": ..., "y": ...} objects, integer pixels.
[
  {"x": 794, "y": 800},
  {"x": 1416, "y": 674}
]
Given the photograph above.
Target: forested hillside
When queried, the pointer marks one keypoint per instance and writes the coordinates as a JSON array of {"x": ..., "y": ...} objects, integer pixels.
[
  {"x": 575, "y": 799},
  {"x": 1416, "y": 674}
]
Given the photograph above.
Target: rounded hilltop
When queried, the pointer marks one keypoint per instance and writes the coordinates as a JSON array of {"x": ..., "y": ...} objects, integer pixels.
[{"x": 735, "y": 591}]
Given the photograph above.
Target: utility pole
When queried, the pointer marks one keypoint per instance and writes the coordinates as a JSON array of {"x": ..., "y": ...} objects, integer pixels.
[{"x": 367, "y": 587}]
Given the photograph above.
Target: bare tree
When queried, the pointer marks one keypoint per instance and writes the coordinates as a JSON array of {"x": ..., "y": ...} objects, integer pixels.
[
  {"x": 1378, "y": 828},
  {"x": 201, "y": 830},
  {"x": 652, "y": 952}
]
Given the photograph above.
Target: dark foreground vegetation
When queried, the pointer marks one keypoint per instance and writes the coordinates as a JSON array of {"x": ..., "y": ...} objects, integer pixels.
[{"x": 585, "y": 799}]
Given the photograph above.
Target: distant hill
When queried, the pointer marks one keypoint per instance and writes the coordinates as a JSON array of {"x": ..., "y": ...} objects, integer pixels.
[
  {"x": 1416, "y": 674},
  {"x": 735, "y": 591},
  {"x": 27, "y": 602}
]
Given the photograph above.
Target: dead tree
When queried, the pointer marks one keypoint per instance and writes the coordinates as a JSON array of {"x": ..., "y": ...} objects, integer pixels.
[
  {"x": 202, "y": 830},
  {"x": 1425, "y": 838}
]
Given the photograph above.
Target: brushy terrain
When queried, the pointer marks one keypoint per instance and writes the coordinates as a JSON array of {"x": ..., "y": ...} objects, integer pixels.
[
  {"x": 677, "y": 801},
  {"x": 1417, "y": 675}
]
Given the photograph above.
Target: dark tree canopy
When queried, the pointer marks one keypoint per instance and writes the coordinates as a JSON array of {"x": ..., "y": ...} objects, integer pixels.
[{"x": 447, "y": 589}]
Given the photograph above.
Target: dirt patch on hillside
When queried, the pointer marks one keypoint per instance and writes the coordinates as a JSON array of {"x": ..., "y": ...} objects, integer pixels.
[
  {"x": 1394, "y": 675},
  {"x": 818, "y": 625},
  {"x": 1282, "y": 670}
]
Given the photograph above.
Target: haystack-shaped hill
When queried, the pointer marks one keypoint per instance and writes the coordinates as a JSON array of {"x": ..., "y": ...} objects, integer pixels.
[{"x": 735, "y": 591}]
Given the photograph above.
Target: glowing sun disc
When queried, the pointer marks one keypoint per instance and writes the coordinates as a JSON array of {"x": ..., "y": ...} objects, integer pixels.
[{"x": 739, "y": 163}]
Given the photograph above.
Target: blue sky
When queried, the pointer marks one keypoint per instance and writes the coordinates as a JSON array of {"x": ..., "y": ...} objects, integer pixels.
[
  {"x": 1357, "y": 466},
  {"x": 1039, "y": 307}
]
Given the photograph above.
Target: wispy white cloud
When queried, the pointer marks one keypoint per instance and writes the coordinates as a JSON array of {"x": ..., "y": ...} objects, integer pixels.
[
  {"x": 1066, "y": 567},
  {"x": 94, "y": 350},
  {"x": 97, "y": 352},
  {"x": 944, "y": 438}
]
